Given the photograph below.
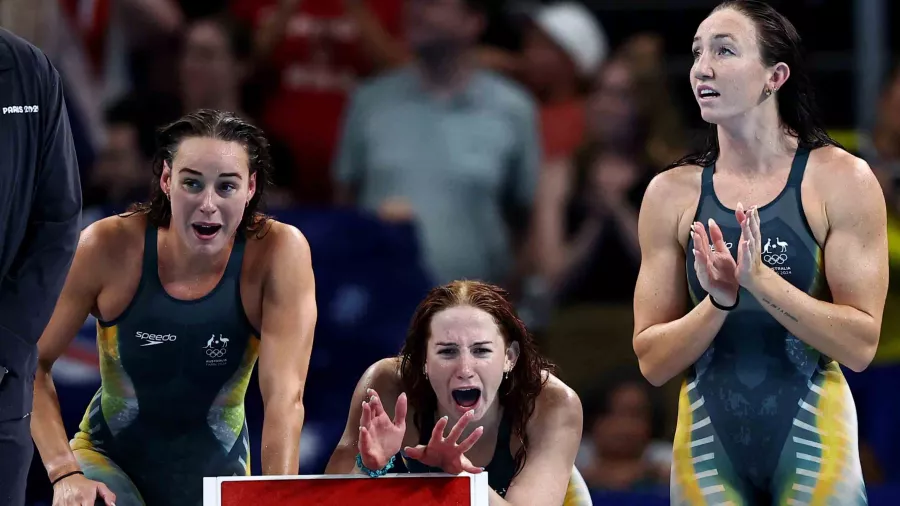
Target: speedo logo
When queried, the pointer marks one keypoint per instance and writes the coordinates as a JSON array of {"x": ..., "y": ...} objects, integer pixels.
[{"x": 152, "y": 339}]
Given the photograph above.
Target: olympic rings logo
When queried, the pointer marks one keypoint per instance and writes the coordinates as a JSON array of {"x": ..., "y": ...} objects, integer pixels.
[
  {"x": 775, "y": 259},
  {"x": 216, "y": 352}
]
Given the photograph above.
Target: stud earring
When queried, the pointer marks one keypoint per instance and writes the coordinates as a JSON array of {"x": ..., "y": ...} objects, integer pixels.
[{"x": 768, "y": 92}]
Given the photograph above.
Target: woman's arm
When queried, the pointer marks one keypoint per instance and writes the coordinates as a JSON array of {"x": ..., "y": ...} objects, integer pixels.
[
  {"x": 666, "y": 340},
  {"x": 554, "y": 434},
  {"x": 289, "y": 316},
  {"x": 856, "y": 268},
  {"x": 79, "y": 294},
  {"x": 381, "y": 377}
]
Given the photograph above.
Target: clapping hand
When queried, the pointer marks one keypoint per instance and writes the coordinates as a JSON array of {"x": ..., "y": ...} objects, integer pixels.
[
  {"x": 749, "y": 261},
  {"x": 714, "y": 265}
]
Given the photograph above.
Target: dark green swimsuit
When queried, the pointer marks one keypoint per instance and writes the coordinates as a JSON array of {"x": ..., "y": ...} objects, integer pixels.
[
  {"x": 171, "y": 406},
  {"x": 763, "y": 417}
]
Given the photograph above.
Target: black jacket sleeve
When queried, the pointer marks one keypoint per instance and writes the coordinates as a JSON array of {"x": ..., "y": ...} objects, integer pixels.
[{"x": 55, "y": 216}]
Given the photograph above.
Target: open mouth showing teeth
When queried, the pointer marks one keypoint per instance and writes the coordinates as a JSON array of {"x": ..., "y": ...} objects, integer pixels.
[
  {"x": 206, "y": 229},
  {"x": 467, "y": 397},
  {"x": 709, "y": 93}
]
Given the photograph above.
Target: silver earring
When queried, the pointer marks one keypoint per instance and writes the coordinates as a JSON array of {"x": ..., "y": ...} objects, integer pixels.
[
  {"x": 506, "y": 375},
  {"x": 768, "y": 92}
]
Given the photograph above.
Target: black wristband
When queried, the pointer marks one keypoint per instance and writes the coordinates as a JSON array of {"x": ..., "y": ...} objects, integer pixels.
[
  {"x": 60, "y": 478},
  {"x": 737, "y": 298}
]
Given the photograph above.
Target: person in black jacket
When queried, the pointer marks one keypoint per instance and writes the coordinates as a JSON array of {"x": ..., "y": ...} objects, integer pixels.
[{"x": 40, "y": 222}]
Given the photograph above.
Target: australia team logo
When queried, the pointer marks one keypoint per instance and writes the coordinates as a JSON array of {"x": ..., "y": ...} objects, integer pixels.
[
  {"x": 775, "y": 254},
  {"x": 216, "y": 348}
]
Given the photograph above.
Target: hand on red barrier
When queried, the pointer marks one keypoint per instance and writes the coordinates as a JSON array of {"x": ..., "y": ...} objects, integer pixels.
[
  {"x": 445, "y": 453},
  {"x": 77, "y": 490},
  {"x": 380, "y": 437}
]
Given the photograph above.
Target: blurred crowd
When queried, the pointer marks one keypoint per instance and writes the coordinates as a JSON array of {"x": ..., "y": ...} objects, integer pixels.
[{"x": 516, "y": 139}]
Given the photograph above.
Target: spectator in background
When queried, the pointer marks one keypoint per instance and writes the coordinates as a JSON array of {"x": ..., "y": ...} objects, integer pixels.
[
  {"x": 623, "y": 448},
  {"x": 214, "y": 64},
  {"x": 564, "y": 45},
  {"x": 587, "y": 209},
  {"x": 448, "y": 145},
  {"x": 119, "y": 176},
  {"x": 310, "y": 58}
]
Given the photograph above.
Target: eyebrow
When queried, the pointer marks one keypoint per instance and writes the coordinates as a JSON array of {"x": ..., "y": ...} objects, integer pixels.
[
  {"x": 479, "y": 343},
  {"x": 717, "y": 36},
  {"x": 198, "y": 173}
]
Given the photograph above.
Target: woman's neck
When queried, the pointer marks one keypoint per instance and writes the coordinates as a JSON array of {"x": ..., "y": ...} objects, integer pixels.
[
  {"x": 181, "y": 263},
  {"x": 754, "y": 142}
]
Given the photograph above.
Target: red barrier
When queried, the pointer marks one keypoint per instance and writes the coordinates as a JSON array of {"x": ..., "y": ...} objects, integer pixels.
[{"x": 345, "y": 490}]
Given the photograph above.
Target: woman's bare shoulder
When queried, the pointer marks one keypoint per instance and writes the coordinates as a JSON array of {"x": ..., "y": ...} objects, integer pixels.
[
  {"x": 557, "y": 396},
  {"x": 384, "y": 377},
  {"x": 113, "y": 239}
]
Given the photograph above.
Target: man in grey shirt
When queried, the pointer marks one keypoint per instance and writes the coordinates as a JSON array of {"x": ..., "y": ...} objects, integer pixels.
[{"x": 454, "y": 146}]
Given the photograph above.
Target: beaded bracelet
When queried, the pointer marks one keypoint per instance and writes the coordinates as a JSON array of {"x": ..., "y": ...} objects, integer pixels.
[{"x": 374, "y": 474}]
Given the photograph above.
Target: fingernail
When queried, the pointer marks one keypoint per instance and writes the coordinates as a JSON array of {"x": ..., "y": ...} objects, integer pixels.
[{"x": 445, "y": 417}]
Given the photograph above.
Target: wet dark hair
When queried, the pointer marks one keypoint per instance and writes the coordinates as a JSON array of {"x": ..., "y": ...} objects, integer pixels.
[
  {"x": 517, "y": 394},
  {"x": 221, "y": 125},
  {"x": 778, "y": 42}
]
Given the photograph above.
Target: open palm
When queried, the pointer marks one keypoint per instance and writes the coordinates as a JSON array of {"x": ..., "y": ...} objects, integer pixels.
[
  {"x": 715, "y": 266},
  {"x": 380, "y": 437},
  {"x": 444, "y": 452}
]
